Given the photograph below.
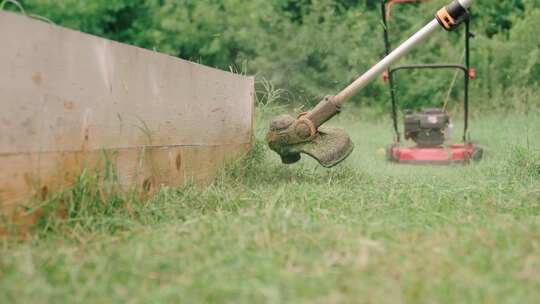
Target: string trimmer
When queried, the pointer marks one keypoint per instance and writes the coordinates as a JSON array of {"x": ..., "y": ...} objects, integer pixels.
[{"x": 289, "y": 136}]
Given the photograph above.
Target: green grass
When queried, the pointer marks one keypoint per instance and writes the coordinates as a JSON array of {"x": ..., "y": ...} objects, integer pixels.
[{"x": 364, "y": 232}]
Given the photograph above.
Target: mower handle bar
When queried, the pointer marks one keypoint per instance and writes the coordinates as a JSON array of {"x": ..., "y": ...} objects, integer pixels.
[
  {"x": 429, "y": 66},
  {"x": 394, "y": 56}
]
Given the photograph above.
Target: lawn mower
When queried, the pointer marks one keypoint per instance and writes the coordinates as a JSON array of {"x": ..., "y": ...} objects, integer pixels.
[
  {"x": 290, "y": 137},
  {"x": 432, "y": 127}
]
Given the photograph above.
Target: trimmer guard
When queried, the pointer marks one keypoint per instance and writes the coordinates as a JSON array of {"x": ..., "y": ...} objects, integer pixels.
[
  {"x": 443, "y": 155},
  {"x": 330, "y": 147}
]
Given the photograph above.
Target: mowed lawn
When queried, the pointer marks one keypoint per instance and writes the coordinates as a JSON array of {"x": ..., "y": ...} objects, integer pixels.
[{"x": 364, "y": 232}]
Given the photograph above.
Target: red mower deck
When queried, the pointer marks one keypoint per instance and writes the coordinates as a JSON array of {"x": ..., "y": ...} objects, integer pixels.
[{"x": 444, "y": 155}]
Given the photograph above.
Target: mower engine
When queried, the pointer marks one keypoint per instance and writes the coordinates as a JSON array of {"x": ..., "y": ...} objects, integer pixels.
[{"x": 428, "y": 128}]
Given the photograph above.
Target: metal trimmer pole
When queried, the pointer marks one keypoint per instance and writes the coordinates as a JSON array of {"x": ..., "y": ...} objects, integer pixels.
[{"x": 403, "y": 49}]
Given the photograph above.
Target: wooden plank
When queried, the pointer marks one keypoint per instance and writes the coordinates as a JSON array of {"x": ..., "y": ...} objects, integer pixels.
[
  {"x": 66, "y": 91},
  {"x": 67, "y": 96}
]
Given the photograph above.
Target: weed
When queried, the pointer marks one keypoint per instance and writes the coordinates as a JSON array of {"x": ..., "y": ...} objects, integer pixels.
[
  {"x": 21, "y": 9},
  {"x": 14, "y": 2},
  {"x": 89, "y": 204},
  {"x": 268, "y": 94}
]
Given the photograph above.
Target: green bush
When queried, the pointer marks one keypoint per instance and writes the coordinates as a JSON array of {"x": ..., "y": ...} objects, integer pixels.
[{"x": 312, "y": 48}]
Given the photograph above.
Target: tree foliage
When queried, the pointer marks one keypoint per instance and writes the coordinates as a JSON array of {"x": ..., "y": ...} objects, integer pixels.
[{"x": 312, "y": 48}]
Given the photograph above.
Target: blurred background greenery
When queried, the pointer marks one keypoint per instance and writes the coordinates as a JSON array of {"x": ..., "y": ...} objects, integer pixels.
[{"x": 312, "y": 48}]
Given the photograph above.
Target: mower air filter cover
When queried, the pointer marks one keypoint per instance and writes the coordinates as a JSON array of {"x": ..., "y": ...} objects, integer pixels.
[{"x": 427, "y": 128}]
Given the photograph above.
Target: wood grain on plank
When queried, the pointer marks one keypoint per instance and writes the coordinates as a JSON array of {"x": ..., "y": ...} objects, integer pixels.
[{"x": 67, "y": 91}]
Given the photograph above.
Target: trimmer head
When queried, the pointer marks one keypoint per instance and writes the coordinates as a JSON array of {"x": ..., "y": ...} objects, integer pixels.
[{"x": 290, "y": 137}]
